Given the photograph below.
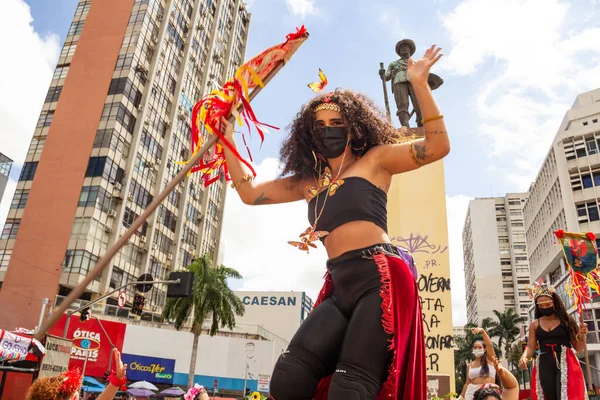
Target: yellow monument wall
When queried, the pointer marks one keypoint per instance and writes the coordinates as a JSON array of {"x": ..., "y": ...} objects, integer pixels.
[{"x": 417, "y": 221}]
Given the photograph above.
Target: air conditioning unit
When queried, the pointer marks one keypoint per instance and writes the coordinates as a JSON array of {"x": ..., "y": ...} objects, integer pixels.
[
  {"x": 171, "y": 39},
  {"x": 199, "y": 219},
  {"x": 143, "y": 239},
  {"x": 147, "y": 121},
  {"x": 148, "y": 164},
  {"x": 160, "y": 17},
  {"x": 151, "y": 47},
  {"x": 200, "y": 27},
  {"x": 130, "y": 197},
  {"x": 181, "y": 53},
  {"x": 195, "y": 196},
  {"x": 144, "y": 249},
  {"x": 108, "y": 229},
  {"x": 154, "y": 39},
  {"x": 154, "y": 246},
  {"x": 180, "y": 108},
  {"x": 157, "y": 161},
  {"x": 118, "y": 186},
  {"x": 169, "y": 256},
  {"x": 140, "y": 108},
  {"x": 112, "y": 214},
  {"x": 168, "y": 124}
]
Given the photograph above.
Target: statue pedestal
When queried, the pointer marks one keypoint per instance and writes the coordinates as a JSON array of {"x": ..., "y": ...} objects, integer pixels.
[{"x": 417, "y": 221}]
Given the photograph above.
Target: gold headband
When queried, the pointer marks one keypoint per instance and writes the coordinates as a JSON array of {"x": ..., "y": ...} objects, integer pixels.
[{"x": 328, "y": 106}]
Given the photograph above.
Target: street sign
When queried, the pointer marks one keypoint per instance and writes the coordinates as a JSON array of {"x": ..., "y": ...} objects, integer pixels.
[
  {"x": 143, "y": 288},
  {"x": 122, "y": 299}
]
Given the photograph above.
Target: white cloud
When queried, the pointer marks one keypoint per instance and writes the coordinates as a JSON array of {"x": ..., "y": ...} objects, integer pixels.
[
  {"x": 456, "y": 207},
  {"x": 302, "y": 7},
  {"x": 24, "y": 82},
  {"x": 255, "y": 242},
  {"x": 529, "y": 58}
]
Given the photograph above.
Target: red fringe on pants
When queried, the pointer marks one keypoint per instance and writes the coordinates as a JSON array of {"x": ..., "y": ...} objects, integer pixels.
[{"x": 402, "y": 319}]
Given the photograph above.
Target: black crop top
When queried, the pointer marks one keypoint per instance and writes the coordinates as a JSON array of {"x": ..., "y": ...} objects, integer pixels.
[{"x": 356, "y": 199}]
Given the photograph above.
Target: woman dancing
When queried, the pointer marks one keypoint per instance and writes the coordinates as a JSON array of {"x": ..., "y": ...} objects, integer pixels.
[
  {"x": 67, "y": 385},
  {"x": 481, "y": 371},
  {"x": 557, "y": 373},
  {"x": 364, "y": 338}
]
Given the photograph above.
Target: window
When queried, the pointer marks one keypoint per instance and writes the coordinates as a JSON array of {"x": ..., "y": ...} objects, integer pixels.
[
  {"x": 128, "y": 219},
  {"x": 116, "y": 279},
  {"x": 151, "y": 144},
  {"x": 10, "y": 229},
  {"x": 20, "y": 198},
  {"x": 96, "y": 166},
  {"x": 45, "y": 119},
  {"x": 163, "y": 242},
  {"x": 37, "y": 145},
  {"x": 587, "y": 181},
  {"x": 68, "y": 49},
  {"x": 53, "y": 94},
  {"x": 83, "y": 8},
  {"x": 75, "y": 28},
  {"x": 141, "y": 196},
  {"x": 95, "y": 196},
  {"x": 118, "y": 111},
  {"x": 591, "y": 146},
  {"x": 79, "y": 261},
  {"x": 4, "y": 259},
  {"x": 125, "y": 86},
  {"x": 28, "y": 171},
  {"x": 61, "y": 71},
  {"x": 110, "y": 138},
  {"x": 167, "y": 218},
  {"x": 592, "y": 209},
  {"x": 514, "y": 202}
]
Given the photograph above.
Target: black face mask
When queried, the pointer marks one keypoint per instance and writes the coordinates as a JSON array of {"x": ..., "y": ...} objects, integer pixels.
[
  {"x": 546, "y": 312},
  {"x": 332, "y": 140}
]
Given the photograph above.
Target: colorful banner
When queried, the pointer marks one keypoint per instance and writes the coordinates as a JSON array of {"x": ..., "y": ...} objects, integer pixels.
[
  {"x": 417, "y": 221},
  {"x": 150, "y": 369},
  {"x": 57, "y": 358},
  {"x": 13, "y": 347},
  {"x": 89, "y": 337}
]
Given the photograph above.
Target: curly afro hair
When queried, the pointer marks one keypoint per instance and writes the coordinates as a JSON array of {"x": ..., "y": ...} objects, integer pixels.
[
  {"x": 48, "y": 389},
  {"x": 367, "y": 124}
]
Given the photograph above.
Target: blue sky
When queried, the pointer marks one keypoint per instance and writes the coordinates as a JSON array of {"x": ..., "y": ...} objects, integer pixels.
[{"x": 511, "y": 71}]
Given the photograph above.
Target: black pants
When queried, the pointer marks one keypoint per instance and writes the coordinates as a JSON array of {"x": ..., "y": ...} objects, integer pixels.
[
  {"x": 402, "y": 92},
  {"x": 550, "y": 375},
  {"x": 342, "y": 336}
]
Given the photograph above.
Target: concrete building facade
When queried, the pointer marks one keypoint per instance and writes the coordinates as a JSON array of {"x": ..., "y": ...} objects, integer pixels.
[{"x": 115, "y": 121}]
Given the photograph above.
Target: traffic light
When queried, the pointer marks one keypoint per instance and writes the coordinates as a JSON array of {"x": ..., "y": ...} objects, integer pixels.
[
  {"x": 85, "y": 315},
  {"x": 183, "y": 288},
  {"x": 138, "y": 304}
]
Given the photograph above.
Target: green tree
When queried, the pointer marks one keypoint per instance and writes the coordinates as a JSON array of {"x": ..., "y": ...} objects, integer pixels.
[
  {"x": 506, "y": 329},
  {"x": 211, "y": 298}
]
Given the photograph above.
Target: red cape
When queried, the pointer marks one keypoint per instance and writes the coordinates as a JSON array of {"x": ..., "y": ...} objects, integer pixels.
[{"x": 402, "y": 319}]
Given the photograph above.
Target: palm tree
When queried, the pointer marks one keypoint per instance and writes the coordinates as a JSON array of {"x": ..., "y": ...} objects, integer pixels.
[
  {"x": 211, "y": 297},
  {"x": 506, "y": 329}
]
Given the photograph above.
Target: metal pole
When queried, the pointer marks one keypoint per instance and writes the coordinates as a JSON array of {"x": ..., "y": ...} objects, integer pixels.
[
  {"x": 245, "y": 378},
  {"x": 588, "y": 372},
  {"x": 385, "y": 94},
  {"x": 138, "y": 222},
  {"x": 44, "y": 303},
  {"x": 67, "y": 325},
  {"x": 87, "y": 354}
]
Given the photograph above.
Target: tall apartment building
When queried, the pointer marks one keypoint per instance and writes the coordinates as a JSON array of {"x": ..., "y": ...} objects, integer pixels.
[
  {"x": 495, "y": 257},
  {"x": 114, "y": 122},
  {"x": 565, "y": 196},
  {"x": 5, "y": 166}
]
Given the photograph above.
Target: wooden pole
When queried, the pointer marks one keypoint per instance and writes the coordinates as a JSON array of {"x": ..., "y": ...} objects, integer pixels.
[
  {"x": 137, "y": 223},
  {"x": 385, "y": 94},
  {"x": 588, "y": 371}
]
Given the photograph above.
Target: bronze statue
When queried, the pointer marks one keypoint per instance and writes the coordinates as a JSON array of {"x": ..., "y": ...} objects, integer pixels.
[{"x": 401, "y": 87}]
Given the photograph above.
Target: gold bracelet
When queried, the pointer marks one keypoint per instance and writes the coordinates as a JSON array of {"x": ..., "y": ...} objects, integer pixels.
[
  {"x": 247, "y": 178},
  {"x": 412, "y": 155},
  {"x": 425, "y": 120}
]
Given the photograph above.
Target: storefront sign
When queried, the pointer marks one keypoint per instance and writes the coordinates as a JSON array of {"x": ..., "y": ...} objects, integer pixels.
[
  {"x": 57, "y": 358},
  {"x": 150, "y": 369}
]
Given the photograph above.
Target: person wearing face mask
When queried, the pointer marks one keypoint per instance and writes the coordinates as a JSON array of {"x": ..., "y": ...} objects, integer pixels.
[
  {"x": 481, "y": 371},
  {"x": 364, "y": 338},
  {"x": 557, "y": 374}
]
